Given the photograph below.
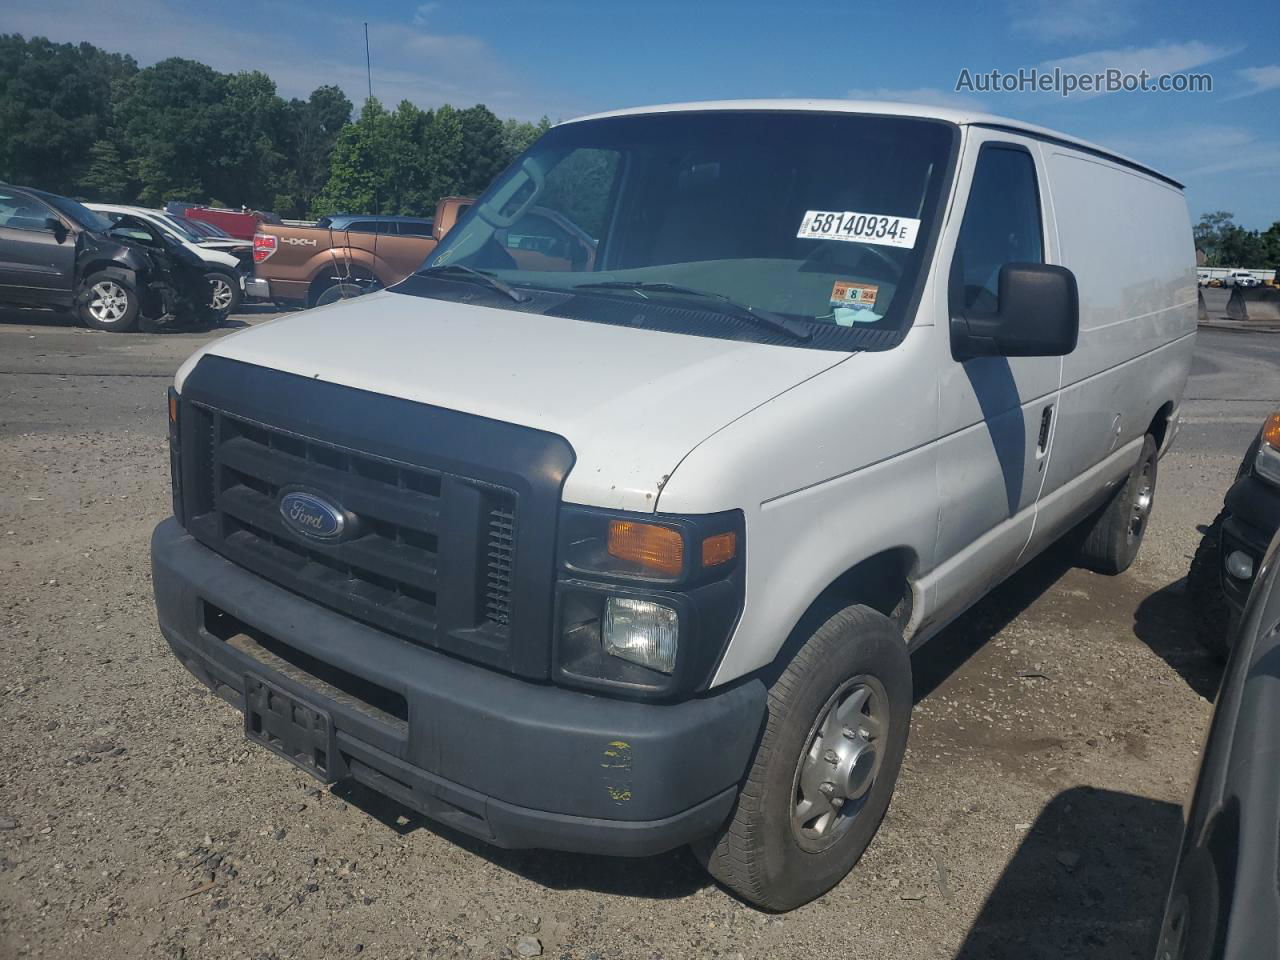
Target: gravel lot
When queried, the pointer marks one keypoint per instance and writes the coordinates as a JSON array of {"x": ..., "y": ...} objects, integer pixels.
[{"x": 1057, "y": 732}]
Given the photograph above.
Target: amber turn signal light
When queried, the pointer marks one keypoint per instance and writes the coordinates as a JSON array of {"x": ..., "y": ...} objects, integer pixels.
[
  {"x": 1271, "y": 431},
  {"x": 719, "y": 549},
  {"x": 173, "y": 407},
  {"x": 647, "y": 545}
]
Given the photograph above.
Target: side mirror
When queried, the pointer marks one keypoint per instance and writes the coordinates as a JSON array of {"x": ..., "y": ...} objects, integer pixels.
[
  {"x": 1038, "y": 316},
  {"x": 56, "y": 227}
]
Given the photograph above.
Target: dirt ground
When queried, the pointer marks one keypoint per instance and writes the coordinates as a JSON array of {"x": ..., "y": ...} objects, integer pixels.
[{"x": 1057, "y": 731}]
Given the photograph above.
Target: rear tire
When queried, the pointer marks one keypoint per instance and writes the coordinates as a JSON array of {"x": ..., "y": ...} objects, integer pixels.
[
  {"x": 107, "y": 302},
  {"x": 1111, "y": 538},
  {"x": 825, "y": 768},
  {"x": 339, "y": 291},
  {"x": 342, "y": 282}
]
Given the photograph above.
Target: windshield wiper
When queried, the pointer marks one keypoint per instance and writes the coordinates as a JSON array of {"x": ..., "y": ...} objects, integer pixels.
[
  {"x": 792, "y": 328},
  {"x": 484, "y": 277}
]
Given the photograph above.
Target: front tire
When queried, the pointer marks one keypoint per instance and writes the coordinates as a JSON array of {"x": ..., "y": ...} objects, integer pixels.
[
  {"x": 224, "y": 294},
  {"x": 107, "y": 302},
  {"x": 1211, "y": 614},
  {"x": 825, "y": 769},
  {"x": 1110, "y": 539}
]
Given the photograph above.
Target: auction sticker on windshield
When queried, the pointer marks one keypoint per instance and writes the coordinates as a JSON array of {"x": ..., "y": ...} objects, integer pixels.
[{"x": 859, "y": 228}]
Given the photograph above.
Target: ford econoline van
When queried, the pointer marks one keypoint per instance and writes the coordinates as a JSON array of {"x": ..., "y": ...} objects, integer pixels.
[{"x": 626, "y": 546}]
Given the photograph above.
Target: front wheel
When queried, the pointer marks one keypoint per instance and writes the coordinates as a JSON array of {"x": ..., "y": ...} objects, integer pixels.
[
  {"x": 107, "y": 302},
  {"x": 224, "y": 292},
  {"x": 826, "y": 766},
  {"x": 1211, "y": 614}
]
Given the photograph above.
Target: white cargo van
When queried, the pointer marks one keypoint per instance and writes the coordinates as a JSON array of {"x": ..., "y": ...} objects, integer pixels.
[{"x": 612, "y": 527}]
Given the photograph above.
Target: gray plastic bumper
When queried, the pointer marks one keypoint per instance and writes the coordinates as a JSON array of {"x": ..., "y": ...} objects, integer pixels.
[{"x": 515, "y": 763}]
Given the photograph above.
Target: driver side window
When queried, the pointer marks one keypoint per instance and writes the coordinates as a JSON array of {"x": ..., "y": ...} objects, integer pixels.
[
  {"x": 24, "y": 213},
  {"x": 1001, "y": 225}
]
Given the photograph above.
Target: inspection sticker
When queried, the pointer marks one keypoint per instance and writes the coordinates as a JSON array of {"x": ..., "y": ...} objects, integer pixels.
[
  {"x": 848, "y": 294},
  {"x": 859, "y": 228}
]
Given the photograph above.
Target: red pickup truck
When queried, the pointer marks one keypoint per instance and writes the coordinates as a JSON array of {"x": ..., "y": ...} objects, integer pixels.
[
  {"x": 348, "y": 255},
  {"x": 241, "y": 224}
]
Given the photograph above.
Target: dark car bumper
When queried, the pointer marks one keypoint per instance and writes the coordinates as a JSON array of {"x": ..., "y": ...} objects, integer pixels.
[
  {"x": 515, "y": 763},
  {"x": 1253, "y": 516}
]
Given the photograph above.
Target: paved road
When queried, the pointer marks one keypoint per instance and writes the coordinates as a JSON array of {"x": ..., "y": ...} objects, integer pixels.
[
  {"x": 1054, "y": 741},
  {"x": 1231, "y": 391}
]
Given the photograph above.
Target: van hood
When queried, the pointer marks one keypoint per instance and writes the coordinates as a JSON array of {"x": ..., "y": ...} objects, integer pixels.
[{"x": 631, "y": 402}]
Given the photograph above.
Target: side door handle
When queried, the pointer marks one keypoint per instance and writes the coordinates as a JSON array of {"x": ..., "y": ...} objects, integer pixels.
[{"x": 1046, "y": 425}]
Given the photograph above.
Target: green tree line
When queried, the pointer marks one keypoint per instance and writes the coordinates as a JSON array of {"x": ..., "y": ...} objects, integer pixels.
[
  {"x": 1227, "y": 244},
  {"x": 78, "y": 120}
]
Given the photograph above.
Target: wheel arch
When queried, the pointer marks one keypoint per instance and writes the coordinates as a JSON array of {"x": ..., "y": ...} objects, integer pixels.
[
  {"x": 111, "y": 268},
  {"x": 884, "y": 581},
  {"x": 1159, "y": 428}
]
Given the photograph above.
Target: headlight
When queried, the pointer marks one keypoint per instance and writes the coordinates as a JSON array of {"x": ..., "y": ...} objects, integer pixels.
[
  {"x": 645, "y": 602},
  {"x": 641, "y": 631},
  {"x": 1267, "y": 463}
]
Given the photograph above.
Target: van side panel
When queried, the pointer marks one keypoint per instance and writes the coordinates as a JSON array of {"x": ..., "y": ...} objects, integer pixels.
[{"x": 1127, "y": 238}]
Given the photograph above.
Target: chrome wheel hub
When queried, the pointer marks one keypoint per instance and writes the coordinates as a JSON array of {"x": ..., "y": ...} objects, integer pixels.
[
  {"x": 108, "y": 302},
  {"x": 1141, "y": 502},
  {"x": 837, "y": 771}
]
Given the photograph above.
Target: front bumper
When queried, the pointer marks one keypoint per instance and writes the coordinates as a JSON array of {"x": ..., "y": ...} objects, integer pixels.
[
  {"x": 1253, "y": 515},
  {"x": 515, "y": 763}
]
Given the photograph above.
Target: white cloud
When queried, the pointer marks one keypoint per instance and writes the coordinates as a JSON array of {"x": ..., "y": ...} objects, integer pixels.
[
  {"x": 1155, "y": 60},
  {"x": 423, "y": 14},
  {"x": 1055, "y": 21},
  {"x": 1257, "y": 157},
  {"x": 930, "y": 96},
  {"x": 1260, "y": 80},
  {"x": 1189, "y": 151}
]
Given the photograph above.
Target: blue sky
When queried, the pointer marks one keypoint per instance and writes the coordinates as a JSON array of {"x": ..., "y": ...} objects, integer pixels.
[{"x": 562, "y": 58}]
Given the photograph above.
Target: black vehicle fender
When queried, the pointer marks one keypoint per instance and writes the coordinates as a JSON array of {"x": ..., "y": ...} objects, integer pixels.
[{"x": 1255, "y": 502}]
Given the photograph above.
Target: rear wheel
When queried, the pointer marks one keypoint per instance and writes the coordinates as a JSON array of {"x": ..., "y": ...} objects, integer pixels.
[
  {"x": 339, "y": 291},
  {"x": 342, "y": 283},
  {"x": 1111, "y": 538},
  {"x": 826, "y": 766},
  {"x": 107, "y": 302}
]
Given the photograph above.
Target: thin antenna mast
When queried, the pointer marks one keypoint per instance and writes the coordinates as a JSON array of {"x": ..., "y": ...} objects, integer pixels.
[{"x": 368, "y": 66}]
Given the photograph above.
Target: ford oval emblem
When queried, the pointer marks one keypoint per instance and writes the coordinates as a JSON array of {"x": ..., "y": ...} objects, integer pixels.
[{"x": 312, "y": 516}]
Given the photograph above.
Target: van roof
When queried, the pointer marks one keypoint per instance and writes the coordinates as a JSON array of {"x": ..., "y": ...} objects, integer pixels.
[{"x": 882, "y": 107}]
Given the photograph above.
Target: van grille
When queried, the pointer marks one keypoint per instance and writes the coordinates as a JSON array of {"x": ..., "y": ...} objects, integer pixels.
[
  {"x": 432, "y": 556},
  {"x": 502, "y": 524}
]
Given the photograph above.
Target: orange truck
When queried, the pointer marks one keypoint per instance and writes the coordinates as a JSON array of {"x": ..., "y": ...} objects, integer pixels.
[{"x": 344, "y": 255}]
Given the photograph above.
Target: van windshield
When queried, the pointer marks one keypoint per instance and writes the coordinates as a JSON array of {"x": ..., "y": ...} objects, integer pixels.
[{"x": 824, "y": 219}]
